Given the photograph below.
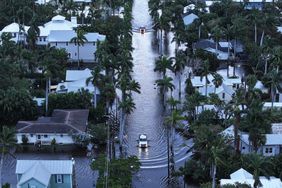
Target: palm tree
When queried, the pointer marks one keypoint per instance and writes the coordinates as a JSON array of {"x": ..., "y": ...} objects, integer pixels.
[
  {"x": 217, "y": 81},
  {"x": 228, "y": 32},
  {"x": 254, "y": 17},
  {"x": 162, "y": 64},
  {"x": 7, "y": 141},
  {"x": 274, "y": 79},
  {"x": 216, "y": 34},
  {"x": 172, "y": 121},
  {"x": 217, "y": 151},
  {"x": 258, "y": 164},
  {"x": 79, "y": 40},
  {"x": 173, "y": 103},
  {"x": 33, "y": 32},
  {"x": 165, "y": 85},
  {"x": 178, "y": 67},
  {"x": 97, "y": 81},
  {"x": 204, "y": 72}
]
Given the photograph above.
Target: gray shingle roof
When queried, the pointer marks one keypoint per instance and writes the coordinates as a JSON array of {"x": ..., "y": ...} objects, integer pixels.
[{"x": 62, "y": 121}]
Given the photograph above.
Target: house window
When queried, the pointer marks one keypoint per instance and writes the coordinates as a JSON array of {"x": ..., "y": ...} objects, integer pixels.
[
  {"x": 69, "y": 55},
  {"x": 268, "y": 150},
  {"x": 244, "y": 148},
  {"x": 223, "y": 95},
  {"x": 277, "y": 97},
  {"x": 59, "y": 178},
  {"x": 44, "y": 39},
  {"x": 56, "y": 43},
  {"x": 31, "y": 135},
  {"x": 45, "y": 136},
  {"x": 94, "y": 43},
  {"x": 62, "y": 135},
  {"x": 67, "y": 43},
  {"x": 38, "y": 137},
  {"x": 14, "y": 34},
  {"x": 74, "y": 54},
  {"x": 40, "y": 39}
]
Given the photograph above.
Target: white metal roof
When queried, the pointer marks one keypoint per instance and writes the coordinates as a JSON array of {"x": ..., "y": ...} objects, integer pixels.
[
  {"x": 53, "y": 166},
  {"x": 37, "y": 171},
  {"x": 272, "y": 183},
  {"x": 72, "y": 75},
  {"x": 225, "y": 44},
  {"x": 14, "y": 28},
  {"x": 244, "y": 177},
  {"x": 241, "y": 174},
  {"x": 279, "y": 29},
  {"x": 189, "y": 18},
  {"x": 271, "y": 139},
  {"x": 67, "y": 35}
]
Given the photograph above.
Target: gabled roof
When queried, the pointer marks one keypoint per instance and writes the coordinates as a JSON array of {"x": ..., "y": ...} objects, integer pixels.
[
  {"x": 188, "y": 19},
  {"x": 241, "y": 174},
  {"x": 52, "y": 166},
  {"x": 14, "y": 28},
  {"x": 62, "y": 122},
  {"x": 244, "y": 177},
  {"x": 271, "y": 139},
  {"x": 58, "y": 18},
  {"x": 38, "y": 171}
]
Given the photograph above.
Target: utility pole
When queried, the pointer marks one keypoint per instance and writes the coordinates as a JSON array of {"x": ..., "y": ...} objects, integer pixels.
[{"x": 168, "y": 156}]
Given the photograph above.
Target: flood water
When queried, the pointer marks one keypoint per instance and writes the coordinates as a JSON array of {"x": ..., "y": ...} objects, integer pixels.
[{"x": 148, "y": 116}]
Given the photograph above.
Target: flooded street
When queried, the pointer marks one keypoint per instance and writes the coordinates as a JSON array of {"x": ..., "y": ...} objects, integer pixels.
[{"x": 148, "y": 116}]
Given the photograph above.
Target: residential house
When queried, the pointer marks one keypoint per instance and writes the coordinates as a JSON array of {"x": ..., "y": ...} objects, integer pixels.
[
  {"x": 76, "y": 80},
  {"x": 57, "y": 23},
  {"x": 62, "y": 126},
  {"x": 244, "y": 177},
  {"x": 77, "y": 52},
  {"x": 272, "y": 146},
  {"x": 210, "y": 46},
  {"x": 17, "y": 31},
  {"x": 250, "y": 4},
  {"x": 225, "y": 91},
  {"x": 58, "y": 33},
  {"x": 45, "y": 173}
]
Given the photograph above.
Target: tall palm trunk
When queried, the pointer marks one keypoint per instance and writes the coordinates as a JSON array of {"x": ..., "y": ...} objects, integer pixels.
[
  {"x": 206, "y": 86},
  {"x": 172, "y": 131},
  {"x": 256, "y": 33},
  {"x": 47, "y": 88},
  {"x": 236, "y": 136},
  {"x": 161, "y": 43},
  {"x": 234, "y": 60},
  {"x": 213, "y": 175},
  {"x": 228, "y": 58},
  {"x": 95, "y": 96},
  {"x": 168, "y": 155},
  {"x": 1, "y": 165},
  {"x": 272, "y": 95},
  {"x": 179, "y": 86},
  {"x": 78, "y": 59},
  {"x": 261, "y": 39}
]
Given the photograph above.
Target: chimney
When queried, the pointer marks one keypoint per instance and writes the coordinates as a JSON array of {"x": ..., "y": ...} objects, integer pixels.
[{"x": 74, "y": 20}]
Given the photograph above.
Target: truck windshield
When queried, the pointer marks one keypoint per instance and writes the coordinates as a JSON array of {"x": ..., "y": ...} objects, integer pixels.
[{"x": 143, "y": 139}]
